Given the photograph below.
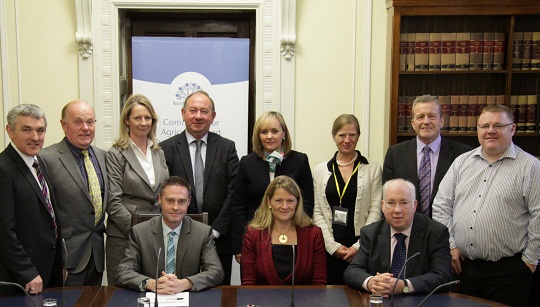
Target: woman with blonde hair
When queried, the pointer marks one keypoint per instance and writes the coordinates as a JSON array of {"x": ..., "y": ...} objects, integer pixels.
[
  {"x": 280, "y": 229},
  {"x": 272, "y": 156},
  {"x": 136, "y": 167}
]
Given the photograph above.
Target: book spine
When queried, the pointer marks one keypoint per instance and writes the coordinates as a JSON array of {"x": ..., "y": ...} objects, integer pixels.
[
  {"x": 522, "y": 114},
  {"x": 498, "y": 50},
  {"x": 535, "y": 51},
  {"x": 402, "y": 51},
  {"x": 411, "y": 40},
  {"x": 421, "y": 52},
  {"x": 475, "y": 51},
  {"x": 435, "y": 51},
  {"x": 491, "y": 99},
  {"x": 454, "y": 114},
  {"x": 527, "y": 51},
  {"x": 463, "y": 110},
  {"x": 487, "y": 51},
  {"x": 444, "y": 101},
  {"x": 472, "y": 113},
  {"x": 514, "y": 106},
  {"x": 463, "y": 41},
  {"x": 448, "y": 51},
  {"x": 517, "y": 52},
  {"x": 482, "y": 102},
  {"x": 499, "y": 99},
  {"x": 532, "y": 105},
  {"x": 408, "y": 112},
  {"x": 402, "y": 105}
]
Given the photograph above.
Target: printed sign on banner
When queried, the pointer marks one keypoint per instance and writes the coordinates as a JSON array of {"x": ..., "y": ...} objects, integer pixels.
[{"x": 168, "y": 69}]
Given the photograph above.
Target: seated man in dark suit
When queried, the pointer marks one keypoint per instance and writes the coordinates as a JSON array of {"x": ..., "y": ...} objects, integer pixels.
[
  {"x": 386, "y": 244},
  {"x": 188, "y": 261}
]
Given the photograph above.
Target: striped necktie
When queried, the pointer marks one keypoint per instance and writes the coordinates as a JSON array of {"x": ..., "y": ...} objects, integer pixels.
[
  {"x": 45, "y": 191},
  {"x": 93, "y": 187},
  {"x": 424, "y": 177},
  {"x": 199, "y": 176},
  {"x": 169, "y": 269}
]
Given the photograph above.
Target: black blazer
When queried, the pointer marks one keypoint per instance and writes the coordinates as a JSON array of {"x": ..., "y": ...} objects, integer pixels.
[
  {"x": 425, "y": 272},
  {"x": 28, "y": 246},
  {"x": 220, "y": 170},
  {"x": 401, "y": 162},
  {"x": 251, "y": 182}
]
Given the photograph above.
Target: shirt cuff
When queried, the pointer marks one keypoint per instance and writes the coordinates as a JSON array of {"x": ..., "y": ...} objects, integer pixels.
[
  {"x": 216, "y": 233},
  {"x": 365, "y": 283}
]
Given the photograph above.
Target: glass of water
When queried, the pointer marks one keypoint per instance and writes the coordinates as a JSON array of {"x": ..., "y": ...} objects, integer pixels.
[
  {"x": 143, "y": 302},
  {"x": 49, "y": 302},
  {"x": 375, "y": 300}
]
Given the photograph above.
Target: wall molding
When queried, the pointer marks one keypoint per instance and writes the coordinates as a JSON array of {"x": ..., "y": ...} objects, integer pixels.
[{"x": 271, "y": 69}]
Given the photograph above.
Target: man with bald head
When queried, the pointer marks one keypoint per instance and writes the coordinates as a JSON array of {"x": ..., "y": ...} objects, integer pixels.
[{"x": 79, "y": 179}]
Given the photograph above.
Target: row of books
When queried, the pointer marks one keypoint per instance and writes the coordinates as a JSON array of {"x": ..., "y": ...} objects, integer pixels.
[
  {"x": 526, "y": 51},
  {"x": 461, "y": 112},
  {"x": 452, "y": 51}
]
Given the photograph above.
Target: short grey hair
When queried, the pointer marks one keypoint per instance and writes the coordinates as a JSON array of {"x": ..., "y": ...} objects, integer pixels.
[
  {"x": 30, "y": 110},
  {"x": 427, "y": 98},
  {"x": 407, "y": 182}
]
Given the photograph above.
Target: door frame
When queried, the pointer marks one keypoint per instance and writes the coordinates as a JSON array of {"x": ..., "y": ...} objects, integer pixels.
[{"x": 274, "y": 56}]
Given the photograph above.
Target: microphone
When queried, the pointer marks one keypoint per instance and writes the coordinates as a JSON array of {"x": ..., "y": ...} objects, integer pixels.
[
  {"x": 455, "y": 282},
  {"x": 399, "y": 277},
  {"x": 64, "y": 272},
  {"x": 6, "y": 283},
  {"x": 157, "y": 276},
  {"x": 293, "y": 262}
]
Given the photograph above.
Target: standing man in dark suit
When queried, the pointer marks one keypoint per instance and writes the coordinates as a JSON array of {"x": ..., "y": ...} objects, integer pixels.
[
  {"x": 30, "y": 247},
  {"x": 81, "y": 211},
  {"x": 384, "y": 246},
  {"x": 220, "y": 164},
  {"x": 408, "y": 160}
]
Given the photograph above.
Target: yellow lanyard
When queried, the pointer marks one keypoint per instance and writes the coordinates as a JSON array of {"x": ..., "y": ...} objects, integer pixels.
[{"x": 340, "y": 194}]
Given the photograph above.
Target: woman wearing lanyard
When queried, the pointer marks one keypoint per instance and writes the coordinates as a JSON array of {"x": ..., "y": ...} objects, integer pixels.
[{"x": 348, "y": 192}]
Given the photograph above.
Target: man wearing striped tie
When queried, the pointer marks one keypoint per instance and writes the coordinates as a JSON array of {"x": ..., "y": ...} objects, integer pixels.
[
  {"x": 30, "y": 246},
  {"x": 490, "y": 202},
  {"x": 188, "y": 260}
]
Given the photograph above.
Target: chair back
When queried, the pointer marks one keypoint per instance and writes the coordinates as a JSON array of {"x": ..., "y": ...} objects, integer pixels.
[{"x": 139, "y": 217}]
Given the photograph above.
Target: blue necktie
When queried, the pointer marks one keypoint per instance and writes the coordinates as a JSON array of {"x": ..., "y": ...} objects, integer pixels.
[
  {"x": 400, "y": 255},
  {"x": 170, "y": 254},
  {"x": 199, "y": 176}
]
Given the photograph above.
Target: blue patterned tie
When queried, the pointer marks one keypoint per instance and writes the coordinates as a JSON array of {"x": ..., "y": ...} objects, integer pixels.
[
  {"x": 170, "y": 254},
  {"x": 424, "y": 176},
  {"x": 45, "y": 191},
  {"x": 400, "y": 255}
]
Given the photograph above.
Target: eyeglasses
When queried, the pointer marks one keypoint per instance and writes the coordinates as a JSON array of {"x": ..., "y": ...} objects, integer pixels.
[{"x": 496, "y": 126}]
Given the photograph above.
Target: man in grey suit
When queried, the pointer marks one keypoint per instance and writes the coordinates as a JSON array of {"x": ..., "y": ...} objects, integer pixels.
[
  {"x": 377, "y": 263},
  {"x": 220, "y": 162},
  {"x": 404, "y": 160},
  {"x": 188, "y": 260},
  {"x": 81, "y": 211}
]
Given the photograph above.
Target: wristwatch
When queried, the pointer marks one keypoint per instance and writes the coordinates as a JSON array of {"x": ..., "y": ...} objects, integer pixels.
[
  {"x": 143, "y": 284},
  {"x": 406, "y": 288}
]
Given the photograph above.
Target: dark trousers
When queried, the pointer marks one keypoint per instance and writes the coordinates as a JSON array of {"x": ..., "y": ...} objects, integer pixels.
[
  {"x": 506, "y": 281},
  {"x": 226, "y": 263},
  {"x": 89, "y": 276}
]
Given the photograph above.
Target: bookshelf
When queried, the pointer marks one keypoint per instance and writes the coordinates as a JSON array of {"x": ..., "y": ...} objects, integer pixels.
[{"x": 463, "y": 16}]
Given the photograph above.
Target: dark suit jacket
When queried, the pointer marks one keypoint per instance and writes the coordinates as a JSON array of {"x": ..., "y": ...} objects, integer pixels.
[
  {"x": 401, "y": 161},
  {"x": 425, "y": 272},
  {"x": 251, "y": 182},
  {"x": 220, "y": 170},
  {"x": 75, "y": 208},
  {"x": 257, "y": 264},
  {"x": 28, "y": 246},
  {"x": 196, "y": 257}
]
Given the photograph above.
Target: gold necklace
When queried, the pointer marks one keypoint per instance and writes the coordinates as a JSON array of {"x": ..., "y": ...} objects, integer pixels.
[
  {"x": 283, "y": 236},
  {"x": 348, "y": 163}
]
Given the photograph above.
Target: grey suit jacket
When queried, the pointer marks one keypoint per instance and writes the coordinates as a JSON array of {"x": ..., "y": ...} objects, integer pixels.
[
  {"x": 220, "y": 170},
  {"x": 196, "y": 256},
  {"x": 401, "y": 162},
  {"x": 75, "y": 206},
  {"x": 129, "y": 188},
  {"x": 425, "y": 272}
]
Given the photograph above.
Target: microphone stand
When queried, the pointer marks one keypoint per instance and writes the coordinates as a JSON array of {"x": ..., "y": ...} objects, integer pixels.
[
  {"x": 399, "y": 277},
  {"x": 455, "y": 282},
  {"x": 6, "y": 283},
  {"x": 292, "y": 288},
  {"x": 157, "y": 276},
  {"x": 64, "y": 273}
]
